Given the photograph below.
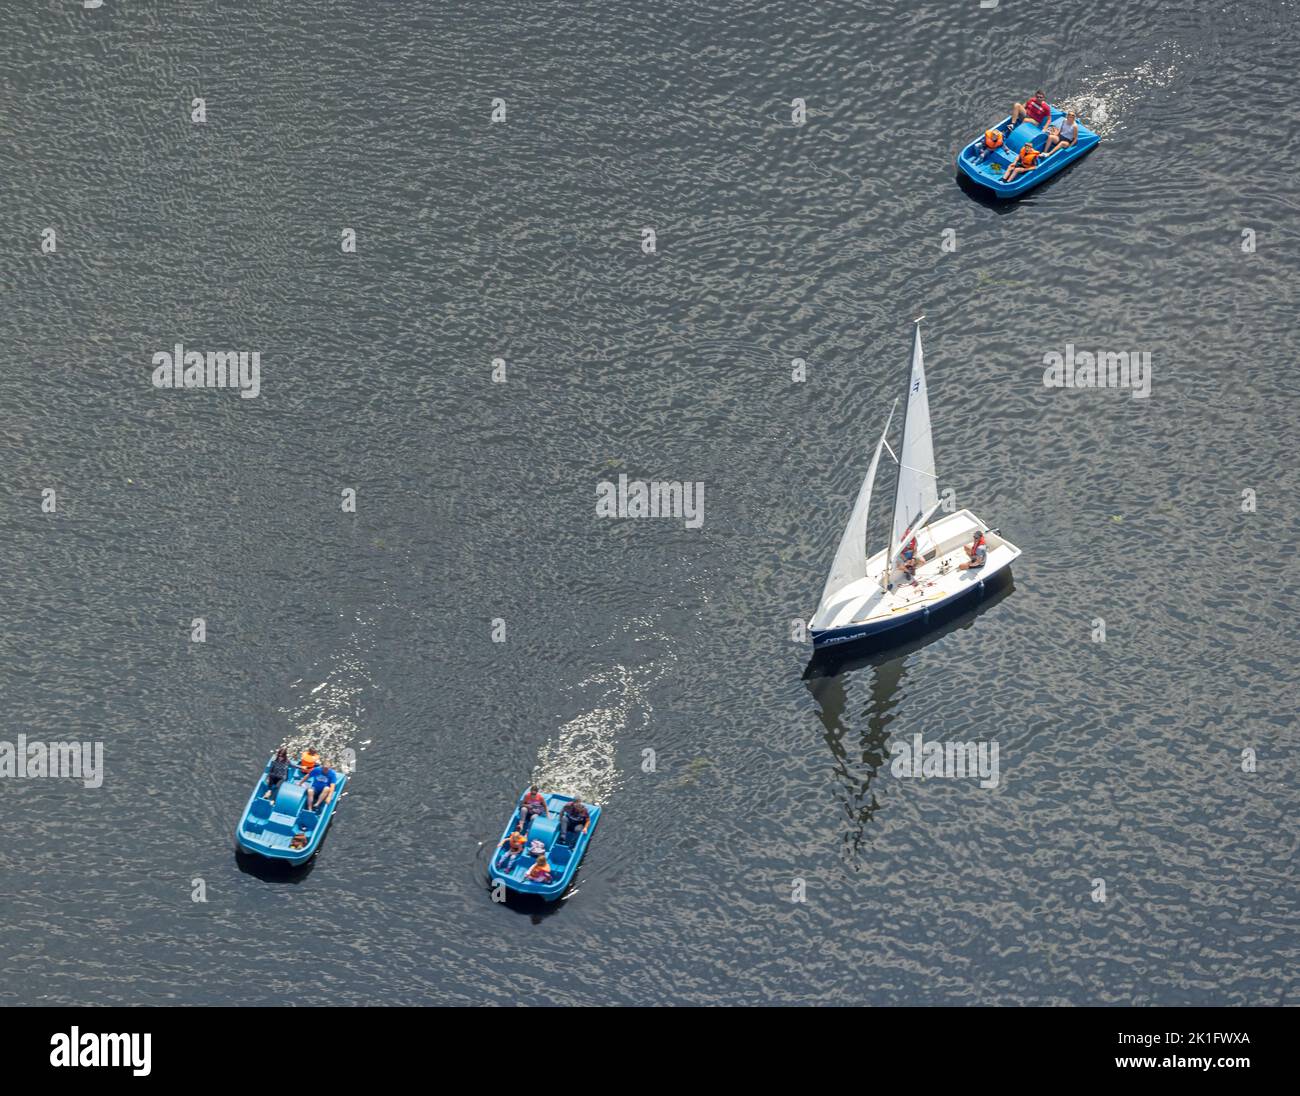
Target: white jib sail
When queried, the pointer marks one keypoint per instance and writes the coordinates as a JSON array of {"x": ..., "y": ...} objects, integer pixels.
[
  {"x": 918, "y": 490},
  {"x": 851, "y": 556}
]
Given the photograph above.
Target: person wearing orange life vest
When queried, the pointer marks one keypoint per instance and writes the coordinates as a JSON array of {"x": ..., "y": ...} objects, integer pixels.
[
  {"x": 540, "y": 872},
  {"x": 310, "y": 759},
  {"x": 992, "y": 142},
  {"x": 977, "y": 553},
  {"x": 512, "y": 848},
  {"x": 1026, "y": 161}
]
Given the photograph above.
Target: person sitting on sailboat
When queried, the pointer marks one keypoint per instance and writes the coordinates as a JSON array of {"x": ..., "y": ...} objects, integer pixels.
[
  {"x": 911, "y": 559},
  {"x": 978, "y": 553}
]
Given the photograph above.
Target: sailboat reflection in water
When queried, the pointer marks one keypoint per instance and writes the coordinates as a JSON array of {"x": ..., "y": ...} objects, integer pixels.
[
  {"x": 859, "y": 740},
  {"x": 929, "y": 569}
]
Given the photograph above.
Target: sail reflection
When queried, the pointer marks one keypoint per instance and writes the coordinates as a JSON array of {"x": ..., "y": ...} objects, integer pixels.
[{"x": 859, "y": 744}]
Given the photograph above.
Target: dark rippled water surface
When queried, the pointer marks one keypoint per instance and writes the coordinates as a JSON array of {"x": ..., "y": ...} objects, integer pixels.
[{"x": 521, "y": 240}]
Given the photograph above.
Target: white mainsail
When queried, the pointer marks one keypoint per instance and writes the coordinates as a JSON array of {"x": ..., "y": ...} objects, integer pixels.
[
  {"x": 851, "y": 556},
  {"x": 918, "y": 490}
]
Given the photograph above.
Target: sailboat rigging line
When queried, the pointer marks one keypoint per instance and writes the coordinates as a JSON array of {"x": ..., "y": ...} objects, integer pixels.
[
  {"x": 888, "y": 422},
  {"x": 910, "y": 468}
]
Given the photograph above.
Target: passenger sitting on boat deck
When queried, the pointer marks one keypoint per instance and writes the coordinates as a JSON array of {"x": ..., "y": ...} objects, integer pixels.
[
  {"x": 1026, "y": 161},
  {"x": 992, "y": 142},
  {"x": 321, "y": 790},
  {"x": 1035, "y": 108},
  {"x": 573, "y": 816},
  {"x": 540, "y": 872},
  {"x": 299, "y": 840},
  {"x": 513, "y": 847},
  {"x": 978, "y": 553},
  {"x": 532, "y": 806},
  {"x": 1062, "y": 136},
  {"x": 278, "y": 774},
  {"x": 911, "y": 559},
  {"x": 309, "y": 760}
]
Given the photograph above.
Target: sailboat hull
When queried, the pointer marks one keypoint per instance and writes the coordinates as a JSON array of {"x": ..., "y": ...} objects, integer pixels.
[
  {"x": 879, "y": 635},
  {"x": 892, "y": 611}
]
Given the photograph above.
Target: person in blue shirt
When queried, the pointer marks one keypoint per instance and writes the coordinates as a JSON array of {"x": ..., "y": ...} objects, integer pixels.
[{"x": 320, "y": 785}]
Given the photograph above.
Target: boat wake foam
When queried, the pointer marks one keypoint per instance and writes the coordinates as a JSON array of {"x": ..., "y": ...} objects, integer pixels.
[
  {"x": 331, "y": 714},
  {"x": 1110, "y": 97},
  {"x": 581, "y": 758}
]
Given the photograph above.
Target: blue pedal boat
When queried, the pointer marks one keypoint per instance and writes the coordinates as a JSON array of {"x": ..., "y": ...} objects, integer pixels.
[
  {"x": 564, "y": 859},
  {"x": 267, "y": 826},
  {"x": 986, "y": 167}
]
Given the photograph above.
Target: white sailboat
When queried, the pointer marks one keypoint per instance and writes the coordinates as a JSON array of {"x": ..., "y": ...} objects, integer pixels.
[{"x": 870, "y": 595}]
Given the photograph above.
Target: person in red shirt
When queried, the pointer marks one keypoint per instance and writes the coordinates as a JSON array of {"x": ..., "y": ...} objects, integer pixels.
[
  {"x": 1035, "y": 109},
  {"x": 910, "y": 559}
]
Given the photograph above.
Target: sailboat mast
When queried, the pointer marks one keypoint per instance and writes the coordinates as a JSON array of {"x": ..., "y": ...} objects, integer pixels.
[{"x": 902, "y": 441}]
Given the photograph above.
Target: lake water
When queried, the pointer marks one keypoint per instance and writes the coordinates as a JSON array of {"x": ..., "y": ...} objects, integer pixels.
[{"x": 521, "y": 240}]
